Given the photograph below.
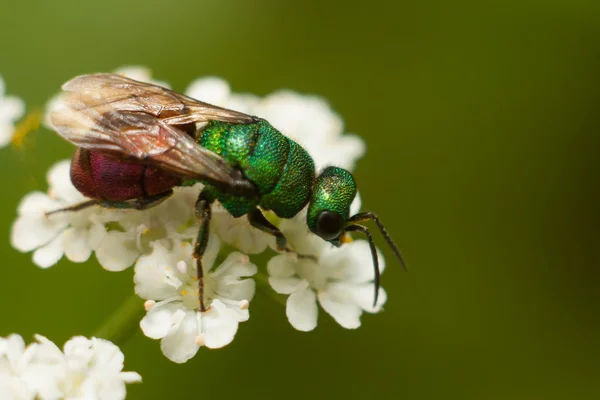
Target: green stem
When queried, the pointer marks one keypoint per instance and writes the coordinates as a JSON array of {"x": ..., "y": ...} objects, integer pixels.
[
  {"x": 124, "y": 322},
  {"x": 262, "y": 284}
]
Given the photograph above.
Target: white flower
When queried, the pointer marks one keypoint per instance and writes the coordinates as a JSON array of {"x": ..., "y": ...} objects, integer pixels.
[
  {"x": 167, "y": 279},
  {"x": 74, "y": 234},
  {"x": 340, "y": 279},
  {"x": 11, "y": 109},
  {"x": 13, "y": 365},
  {"x": 173, "y": 219},
  {"x": 88, "y": 369}
]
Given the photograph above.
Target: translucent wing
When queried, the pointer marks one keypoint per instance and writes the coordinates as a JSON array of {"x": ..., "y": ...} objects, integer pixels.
[
  {"x": 107, "y": 92},
  {"x": 134, "y": 120}
]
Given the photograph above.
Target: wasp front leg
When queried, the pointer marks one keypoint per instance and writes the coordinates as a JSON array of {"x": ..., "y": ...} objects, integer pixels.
[
  {"x": 258, "y": 220},
  {"x": 203, "y": 213}
]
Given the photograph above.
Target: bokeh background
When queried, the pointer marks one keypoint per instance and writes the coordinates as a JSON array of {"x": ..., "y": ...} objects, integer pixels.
[{"x": 481, "y": 123}]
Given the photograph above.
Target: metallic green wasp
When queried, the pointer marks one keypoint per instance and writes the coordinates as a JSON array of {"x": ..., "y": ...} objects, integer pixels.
[{"x": 136, "y": 141}]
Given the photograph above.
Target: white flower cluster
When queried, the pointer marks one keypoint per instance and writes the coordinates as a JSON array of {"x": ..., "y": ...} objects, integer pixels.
[
  {"x": 85, "y": 369},
  {"x": 11, "y": 109},
  {"x": 159, "y": 241}
]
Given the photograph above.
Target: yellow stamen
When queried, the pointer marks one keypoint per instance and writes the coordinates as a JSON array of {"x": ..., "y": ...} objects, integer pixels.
[
  {"x": 30, "y": 123},
  {"x": 346, "y": 238}
]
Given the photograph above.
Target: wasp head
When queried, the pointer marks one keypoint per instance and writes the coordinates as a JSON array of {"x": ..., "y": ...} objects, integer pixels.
[
  {"x": 329, "y": 214},
  {"x": 329, "y": 207}
]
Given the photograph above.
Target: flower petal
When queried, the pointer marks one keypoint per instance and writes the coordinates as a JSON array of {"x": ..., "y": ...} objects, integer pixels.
[
  {"x": 211, "y": 90},
  {"x": 238, "y": 233},
  {"x": 338, "y": 302},
  {"x": 49, "y": 255},
  {"x": 179, "y": 345},
  {"x": 96, "y": 234},
  {"x": 152, "y": 272},
  {"x": 12, "y": 348},
  {"x": 35, "y": 203},
  {"x": 157, "y": 323},
  {"x": 103, "y": 389},
  {"x": 342, "y": 151},
  {"x": 59, "y": 180},
  {"x": 301, "y": 310},
  {"x": 77, "y": 248},
  {"x": 363, "y": 295},
  {"x": 12, "y": 108},
  {"x": 243, "y": 102},
  {"x": 235, "y": 266},
  {"x": 240, "y": 290},
  {"x": 228, "y": 279},
  {"x": 117, "y": 251},
  {"x": 130, "y": 377},
  {"x": 219, "y": 325},
  {"x": 15, "y": 388},
  {"x": 285, "y": 285},
  {"x": 281, "y": 267},
  {"x": 356, "y": 204},
  {"x": 353, "y": 262},
  {"x": 32, "y": 229}
]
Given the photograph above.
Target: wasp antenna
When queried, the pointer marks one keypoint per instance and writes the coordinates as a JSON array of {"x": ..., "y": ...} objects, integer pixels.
[
  {"x": 366, "y": 216},
  {"x": 362, "y": 229}
]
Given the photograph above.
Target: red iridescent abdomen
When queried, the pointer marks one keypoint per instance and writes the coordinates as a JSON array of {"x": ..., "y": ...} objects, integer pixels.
[{"x": 105, "y": 178}]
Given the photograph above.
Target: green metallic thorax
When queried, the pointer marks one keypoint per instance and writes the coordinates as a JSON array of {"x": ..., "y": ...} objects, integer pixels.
[{"x": 282, "y": 171}]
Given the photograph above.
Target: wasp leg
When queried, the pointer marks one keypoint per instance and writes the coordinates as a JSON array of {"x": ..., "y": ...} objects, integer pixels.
[
  {"x": 203, "y": 213},
  {"x": 258, "y": 220},
  {"x": 137, "y": 204},
  {"x": 76, "y": 207},
  {"x": 142, "y": 203}
]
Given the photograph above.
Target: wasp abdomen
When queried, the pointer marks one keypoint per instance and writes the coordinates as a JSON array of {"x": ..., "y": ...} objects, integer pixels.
[{"x": 105, "y": 178}]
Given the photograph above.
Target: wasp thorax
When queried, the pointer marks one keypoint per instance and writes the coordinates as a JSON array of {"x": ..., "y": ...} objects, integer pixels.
[{"x": 329, "y": 207}]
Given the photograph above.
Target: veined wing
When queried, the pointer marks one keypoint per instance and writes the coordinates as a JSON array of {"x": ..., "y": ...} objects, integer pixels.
[
  {"x": 107, "y": 92},
  {"x": 133, "y": 120},
  {"x": 146, "y": 138}
]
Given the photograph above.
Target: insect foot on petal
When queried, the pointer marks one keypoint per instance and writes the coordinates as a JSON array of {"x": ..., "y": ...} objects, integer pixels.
[{"x": 166, "y": 278}]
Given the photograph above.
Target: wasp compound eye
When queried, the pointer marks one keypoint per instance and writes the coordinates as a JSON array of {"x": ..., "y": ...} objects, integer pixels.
[{"x": 329, "y": 225}]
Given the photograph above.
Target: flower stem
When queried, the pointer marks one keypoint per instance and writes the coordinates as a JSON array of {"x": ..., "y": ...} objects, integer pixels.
[
  {"x": 124, "y": 322},
  {"x": 262, "y": 283}
]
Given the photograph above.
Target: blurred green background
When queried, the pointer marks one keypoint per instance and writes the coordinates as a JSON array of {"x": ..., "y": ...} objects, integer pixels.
[{"x": 481, "y": 124}]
